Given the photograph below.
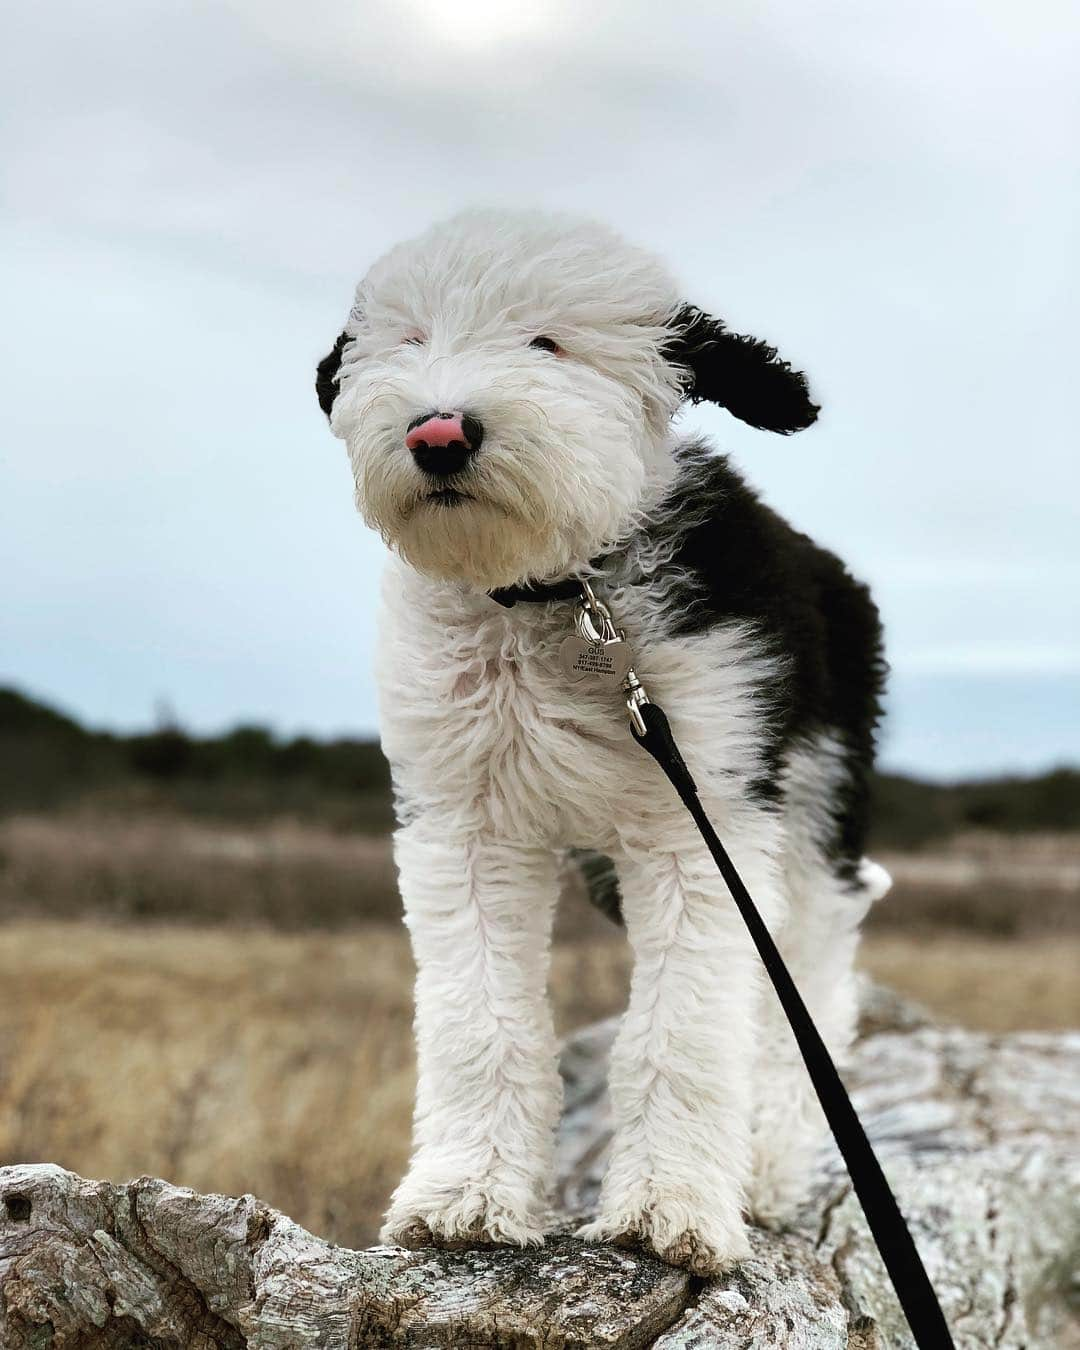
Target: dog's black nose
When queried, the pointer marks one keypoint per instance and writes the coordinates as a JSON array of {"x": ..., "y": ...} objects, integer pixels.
[{"x": 441, "y": 442}]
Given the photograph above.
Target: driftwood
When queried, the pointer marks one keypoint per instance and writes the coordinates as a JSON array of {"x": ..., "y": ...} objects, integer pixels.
[{"x": 979, "y": 1135}]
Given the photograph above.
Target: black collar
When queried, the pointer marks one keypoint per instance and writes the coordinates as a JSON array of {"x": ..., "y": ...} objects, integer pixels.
[
  {"x": 539, "y": 592},
  {"x": 542, "y": 592}
]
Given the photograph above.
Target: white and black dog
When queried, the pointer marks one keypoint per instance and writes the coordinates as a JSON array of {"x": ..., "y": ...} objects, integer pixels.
[{"x": 506, "y": 385}]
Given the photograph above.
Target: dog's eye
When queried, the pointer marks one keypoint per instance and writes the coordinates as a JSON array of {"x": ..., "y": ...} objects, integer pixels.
[
  {"x": 546, "y": 344},
  {"x": 413, "y": 340}
]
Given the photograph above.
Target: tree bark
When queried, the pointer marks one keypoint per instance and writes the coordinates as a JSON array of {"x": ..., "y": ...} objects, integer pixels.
[{"x": 978, "y": 1133}]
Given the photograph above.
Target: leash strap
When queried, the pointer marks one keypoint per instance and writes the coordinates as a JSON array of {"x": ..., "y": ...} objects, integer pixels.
[{"x": 890, "y": 1232}]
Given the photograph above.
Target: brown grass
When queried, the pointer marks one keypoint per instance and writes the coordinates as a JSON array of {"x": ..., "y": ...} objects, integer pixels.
[
  {"x": 161, "y": 866},
  {"x": 264, "y": 1043},
  {"x": 989, "y": 983},
  {"x": 299, "y": 876},
  {"x": 1006, "y": 884},
  {"x": 259, "y": 1061},
  {"x": 282, "y": 1063}
]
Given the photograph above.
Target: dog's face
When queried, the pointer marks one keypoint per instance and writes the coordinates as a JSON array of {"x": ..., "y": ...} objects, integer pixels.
[{"x": 505, "y": 385}]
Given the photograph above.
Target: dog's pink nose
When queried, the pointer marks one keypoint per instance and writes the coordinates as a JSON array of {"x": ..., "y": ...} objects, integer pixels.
[
  {"x": 436, "y": 430},
  {"x": 442, "y": 443}
]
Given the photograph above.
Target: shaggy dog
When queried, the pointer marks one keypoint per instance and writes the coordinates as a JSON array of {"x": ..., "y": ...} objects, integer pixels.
[{"x": 506, "y": 385}]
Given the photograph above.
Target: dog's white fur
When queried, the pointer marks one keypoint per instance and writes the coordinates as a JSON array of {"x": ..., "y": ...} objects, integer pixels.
[{"x": 500, "y": 766}]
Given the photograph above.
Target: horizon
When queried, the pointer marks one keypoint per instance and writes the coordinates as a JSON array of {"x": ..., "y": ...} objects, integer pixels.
[{"x": 165, "y": 717}]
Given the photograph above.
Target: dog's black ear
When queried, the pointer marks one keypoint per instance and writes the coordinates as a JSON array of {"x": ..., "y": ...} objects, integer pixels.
[
  {"x": 326, "y": 375},
  {"x": 740, "y": 373}
]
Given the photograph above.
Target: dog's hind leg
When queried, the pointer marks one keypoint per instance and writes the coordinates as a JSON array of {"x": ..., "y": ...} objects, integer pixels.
[
  {"x": 683, "y": 1060},
  {"x": 818, "y": 943},
  {"x": 479, "y": 912}
]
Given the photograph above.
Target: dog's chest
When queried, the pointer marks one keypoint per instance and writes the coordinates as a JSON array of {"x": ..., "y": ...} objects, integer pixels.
[{"x": 488, "y": 722}]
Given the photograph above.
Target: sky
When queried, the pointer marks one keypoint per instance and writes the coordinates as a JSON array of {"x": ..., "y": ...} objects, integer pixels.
[{"x": 889, "y": 193}]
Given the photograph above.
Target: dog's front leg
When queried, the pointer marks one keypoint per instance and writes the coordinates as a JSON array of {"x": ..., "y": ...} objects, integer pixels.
[
  {"x": 479, "y": 912},
  {"x": 682, "y": 1063}
]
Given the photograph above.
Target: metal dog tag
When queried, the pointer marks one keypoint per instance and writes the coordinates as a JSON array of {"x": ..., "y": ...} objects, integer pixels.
[{"x": 602, "y": 665}]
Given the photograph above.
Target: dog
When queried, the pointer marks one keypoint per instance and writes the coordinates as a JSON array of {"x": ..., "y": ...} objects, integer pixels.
[{"x": 506, "y": 386}]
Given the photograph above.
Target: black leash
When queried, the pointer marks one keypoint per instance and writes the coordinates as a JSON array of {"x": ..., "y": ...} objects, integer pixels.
[
  {"x": 599, "y": 654},
  {"x": 890, "y": 1232}
]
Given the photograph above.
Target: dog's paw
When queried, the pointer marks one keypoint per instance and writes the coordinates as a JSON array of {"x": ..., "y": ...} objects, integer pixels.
[
  {"x": 406, "y": 1232},
  {"x": 779, "y": 1185},
  {"x": 774, "y": 1206},
  {"x": 684, "y": 1236},
  {"x": 457, "y": 1217}
]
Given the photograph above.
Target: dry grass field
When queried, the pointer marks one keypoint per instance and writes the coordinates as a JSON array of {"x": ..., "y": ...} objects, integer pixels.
[
  {"x": 230, "y": 1008},
  {"x": 121, "y": 865},
  {"x": 230, "y": 1059}
]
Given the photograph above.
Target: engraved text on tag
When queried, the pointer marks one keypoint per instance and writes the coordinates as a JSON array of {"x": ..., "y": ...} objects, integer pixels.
[{"x": 603, "y": 665}]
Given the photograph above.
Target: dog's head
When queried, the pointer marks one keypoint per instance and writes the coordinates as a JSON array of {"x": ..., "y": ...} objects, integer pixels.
[{"x": 505, "y": 385}]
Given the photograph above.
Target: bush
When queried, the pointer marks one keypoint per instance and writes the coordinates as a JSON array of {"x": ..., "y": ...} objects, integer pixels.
[{"x": 49, "y": 759}]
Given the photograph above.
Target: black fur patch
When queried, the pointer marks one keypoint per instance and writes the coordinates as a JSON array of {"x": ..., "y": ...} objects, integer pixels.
[
  {"x": 742, "y": 562},
  {"x": 742, "y": 374},
  {"x": 601, "y": 882},
  {"x": 326, "y": 375}
]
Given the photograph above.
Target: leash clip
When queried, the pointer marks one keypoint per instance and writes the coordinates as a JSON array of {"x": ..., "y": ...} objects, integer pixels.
[
  {"x": 593, "y": 618},
  {"x": 635, "y": 698},
  {"x": 601, "y": 654}
]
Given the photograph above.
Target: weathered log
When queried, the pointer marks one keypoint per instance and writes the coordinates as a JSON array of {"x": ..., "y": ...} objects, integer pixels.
[{"x": 978, "y": 1133}]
